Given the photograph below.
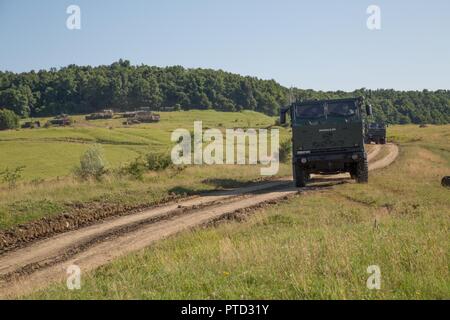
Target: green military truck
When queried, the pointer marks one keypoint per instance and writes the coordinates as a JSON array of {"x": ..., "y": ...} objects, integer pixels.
[
  {"x": 376, "y": 132},
  {"x": 328, "y": 138}
]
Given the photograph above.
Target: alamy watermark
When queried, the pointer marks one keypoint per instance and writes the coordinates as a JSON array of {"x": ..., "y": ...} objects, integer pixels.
[
  {"x": 191, "y": 150},
  {"x": 374, "y": 19},
  {"x": 73, "y": 21},
  {"x": 374, "y": 280},
  {"x": 73, "y": 281}
]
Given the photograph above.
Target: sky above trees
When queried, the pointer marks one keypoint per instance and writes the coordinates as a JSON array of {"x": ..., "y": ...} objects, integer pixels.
[{"x": 323, "y": 45}]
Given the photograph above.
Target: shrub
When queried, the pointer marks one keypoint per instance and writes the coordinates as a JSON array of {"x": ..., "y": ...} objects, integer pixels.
[
  {"x": 136, "y": 169},
  {"x": 11, "y": 176},
  {"x": 8, "y": 119},
  {"x": 92, "y": 163},
  {"x": 285, "y": 150},
  {"x": 153, "y": 161},
  {"x": 157, "y": 161}
]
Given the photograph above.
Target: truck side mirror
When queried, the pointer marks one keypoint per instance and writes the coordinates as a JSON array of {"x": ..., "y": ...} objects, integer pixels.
[
  {"x": 283, "y": 116},
  {"x": 369, "y": 110}
]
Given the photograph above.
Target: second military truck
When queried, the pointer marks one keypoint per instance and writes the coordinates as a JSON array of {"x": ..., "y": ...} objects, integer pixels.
[
  {"x": 328, "y": 138},
  {"x": 376, "y": 132}
]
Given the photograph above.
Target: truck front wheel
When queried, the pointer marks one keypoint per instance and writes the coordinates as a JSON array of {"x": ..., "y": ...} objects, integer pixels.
[
  {"x": 362, "y": 171},
  {"x": 300, "y": 176},
  {"x": 354, "y": 171}
]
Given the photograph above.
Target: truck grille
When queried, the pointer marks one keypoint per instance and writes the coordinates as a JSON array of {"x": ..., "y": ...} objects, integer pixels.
[{"x": 334, "y": 150}]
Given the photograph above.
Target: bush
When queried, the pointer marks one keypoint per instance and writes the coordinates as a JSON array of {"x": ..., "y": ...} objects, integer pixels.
[
  {"x": 158, "y": 161},
  {"x": 285, "y": 151},
  {"x": 11, "y": 176},
  {"x": 136, "y": 169},
  {"x": 92, "y": 163},
  {"x": 152, "y": 161},
  {"x": 8, "y": 119}
]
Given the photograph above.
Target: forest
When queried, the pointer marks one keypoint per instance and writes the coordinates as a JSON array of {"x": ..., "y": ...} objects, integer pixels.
[{"x": 123, "y": 87}]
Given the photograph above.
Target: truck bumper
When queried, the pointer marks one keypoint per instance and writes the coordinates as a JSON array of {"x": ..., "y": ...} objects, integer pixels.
[{"x": 329, "y": 162}]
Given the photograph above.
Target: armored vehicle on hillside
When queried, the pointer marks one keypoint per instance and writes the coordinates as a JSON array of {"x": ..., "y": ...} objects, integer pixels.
[
  {"x": 31, "y": 125},
  {"x": 376, "y": 132},
  {"x": 142, "y": 116},
  {"x": 61, "y": 120},
  {"x": 104, "y": 114},
  {"x": 328, "y": 138}
]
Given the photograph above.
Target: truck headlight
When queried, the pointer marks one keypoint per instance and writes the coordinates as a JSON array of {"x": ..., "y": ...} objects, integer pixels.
[
  {"x": 355, "y": 157},
  {"x": 304, "y": 160}
]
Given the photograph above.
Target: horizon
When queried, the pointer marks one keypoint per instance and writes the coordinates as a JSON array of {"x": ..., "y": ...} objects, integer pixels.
[{"x": 257, "y": 39}]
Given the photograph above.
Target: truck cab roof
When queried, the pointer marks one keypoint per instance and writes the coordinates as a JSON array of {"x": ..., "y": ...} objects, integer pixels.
[{"x": 308, "y": 102}]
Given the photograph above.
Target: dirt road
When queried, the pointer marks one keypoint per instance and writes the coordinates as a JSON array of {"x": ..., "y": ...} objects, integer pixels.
[{"x": 32, "y": 267}]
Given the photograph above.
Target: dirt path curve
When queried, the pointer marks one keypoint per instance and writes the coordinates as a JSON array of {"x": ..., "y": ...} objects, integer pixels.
[
  {"x": 374, "y": 151},
  {"x": 33, "y": 267},
  {"x": 392, "y": 154}
]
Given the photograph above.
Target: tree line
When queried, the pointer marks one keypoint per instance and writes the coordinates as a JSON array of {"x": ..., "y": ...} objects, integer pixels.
[{"x": 122, "y": 86}]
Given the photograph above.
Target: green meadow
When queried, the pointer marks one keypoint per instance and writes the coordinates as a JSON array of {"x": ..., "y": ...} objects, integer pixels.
[{"x": 52, "y": 152}]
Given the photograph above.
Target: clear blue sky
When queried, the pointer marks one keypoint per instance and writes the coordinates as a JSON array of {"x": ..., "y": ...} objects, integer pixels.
[{"x": 309, "y": 44}]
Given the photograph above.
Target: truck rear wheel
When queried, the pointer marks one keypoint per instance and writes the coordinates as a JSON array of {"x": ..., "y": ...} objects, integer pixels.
[
  {"x": 300, "y": 176},
  {"x": 362, "y": 171}
]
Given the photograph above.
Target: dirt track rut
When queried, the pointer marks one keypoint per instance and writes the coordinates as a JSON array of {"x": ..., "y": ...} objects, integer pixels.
[{"x": 34, "y": 266}]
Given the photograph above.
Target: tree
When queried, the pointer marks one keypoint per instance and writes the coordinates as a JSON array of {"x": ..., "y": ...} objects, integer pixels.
[
  {"x": 17, "y": 99},
  {"x": 8, "y": 119},
  {"x": 83, "y": 89}
]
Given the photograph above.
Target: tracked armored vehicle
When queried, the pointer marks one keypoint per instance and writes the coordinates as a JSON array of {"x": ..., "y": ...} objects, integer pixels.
[
  {"x": 328, "y": 138},
  {"x": 105, "y": 114},
  {"x": 142, "y": 116},
  {"x": 62, "y": 120}
]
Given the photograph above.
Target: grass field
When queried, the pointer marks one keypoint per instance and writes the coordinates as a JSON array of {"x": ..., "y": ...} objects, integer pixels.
[
  {"x": 49, "y": 155},
  {"x": 314, "y": 246}
]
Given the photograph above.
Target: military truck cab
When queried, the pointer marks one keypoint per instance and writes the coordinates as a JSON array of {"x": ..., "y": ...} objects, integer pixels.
[
  {"x": 376, "y": 132},
  {"x": 328, "y": 138}
]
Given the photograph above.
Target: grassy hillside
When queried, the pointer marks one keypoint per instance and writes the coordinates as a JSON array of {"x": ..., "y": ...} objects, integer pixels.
[
  {"x": 53, "y": 152},
  {"x": 49, "y": 155},
  {"x": 317, "y": 245}
]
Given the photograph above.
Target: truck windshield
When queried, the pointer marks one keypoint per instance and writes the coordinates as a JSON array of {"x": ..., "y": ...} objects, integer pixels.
[
  {"x": 313, "y": 111},
  {"x": 341, "y": 109}
]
